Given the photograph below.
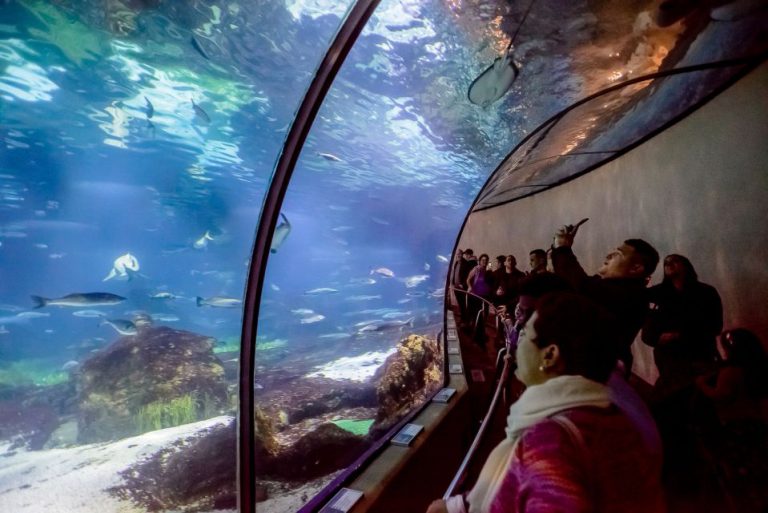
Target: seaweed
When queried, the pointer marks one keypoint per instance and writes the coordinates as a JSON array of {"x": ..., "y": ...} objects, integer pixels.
[{"x": 181, "y": 410}]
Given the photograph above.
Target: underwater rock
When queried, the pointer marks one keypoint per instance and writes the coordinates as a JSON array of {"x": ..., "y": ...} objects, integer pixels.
[
  {"x": 64, "y": 436},
  {"x": 196, "y": 475},
  {"x": 406, "y": 379},
  {"x": 26, "y": 425},
  {"x": 319, "y": 452},
  {"x": 155, "y": 379},
  {"x": 307, "y": 398}
]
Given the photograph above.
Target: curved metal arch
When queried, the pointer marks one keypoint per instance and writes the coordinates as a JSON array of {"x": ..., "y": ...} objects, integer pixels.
[
  {"x": 326, "y": 73},
  {"x": 748, "y": 62}
]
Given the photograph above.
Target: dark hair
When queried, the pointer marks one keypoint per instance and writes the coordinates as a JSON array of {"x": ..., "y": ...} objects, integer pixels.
[
  {"x": 580, "y": 329},
  {"x": 647, "y": 254},
  {"x": 500, "y": 259},
  {"x": 690, "y": 273},
  {"x": 483, "y": 255},
  {"x": 536, "y": 285},
  {"x": 539, "y": 253},
  {"x": 469, "y": 251},
  {"x": 745, "y": 350}
]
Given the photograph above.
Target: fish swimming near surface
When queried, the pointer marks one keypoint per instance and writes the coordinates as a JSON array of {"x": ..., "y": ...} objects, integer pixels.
[
  {"x": 200, "y": 115},
  {"x": 329, "y": 156},
  {"x": 123, "y": 268},
  {"x": 281, "y": 233},
  {"x": 321, "y": 290},
  {"x": 202, "y": 242},
  {"x": 441, "y": 258},
  {"x": 80, "y": 300},
  {"x": 302, "y": 311},
  {"x": 150, "y": 110},
  {"x": 219, "y": 302},
  {"x": 3, "y": 330},
  {"x": 494, "y": 82},
  {"x": 383, "y": 271},
  {"x": 121, "y": 326}
]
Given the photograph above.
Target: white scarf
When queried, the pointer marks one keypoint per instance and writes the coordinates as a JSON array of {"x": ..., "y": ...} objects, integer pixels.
[{"x": 536, "y": 404}]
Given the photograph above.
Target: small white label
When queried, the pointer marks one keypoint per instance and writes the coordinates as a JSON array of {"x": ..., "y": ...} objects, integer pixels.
[
  {"x": 406, "y": 435},
  {"x": 453, "y": 349},
  {"x": 444, "y": 395},
  {"x": 452, "y": 335},
  {"x": 456, "y": 368},
  {"x": 342, "y": 501}
]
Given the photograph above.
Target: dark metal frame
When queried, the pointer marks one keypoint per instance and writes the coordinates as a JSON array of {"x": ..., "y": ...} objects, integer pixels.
[{"x": 337, "y": 52}]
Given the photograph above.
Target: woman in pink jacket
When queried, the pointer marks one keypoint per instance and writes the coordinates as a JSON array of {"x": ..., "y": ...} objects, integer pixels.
[{"x": 569, "y": 447}]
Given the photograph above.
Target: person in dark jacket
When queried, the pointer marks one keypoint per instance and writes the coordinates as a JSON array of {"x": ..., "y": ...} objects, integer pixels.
[
  {"x": 619, "y": 285},
  {"x": 507, "y": 279},
  {"x": 685, "y": 319}
]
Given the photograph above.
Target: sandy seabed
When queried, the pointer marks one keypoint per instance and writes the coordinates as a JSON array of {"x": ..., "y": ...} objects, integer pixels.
[{"x": 76, "y": 480}]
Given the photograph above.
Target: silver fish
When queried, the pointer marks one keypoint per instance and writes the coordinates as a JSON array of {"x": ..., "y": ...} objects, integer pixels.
[
  {"x": 121, "y": 326},
  {"x": 200, "y": 115},
  {"x": 123, "y": 268},
  {"x": 281, "y": 233},
  {"x": 150, "y": 108},
  {"x": 219, "y": 302},
  {"x": 164, "y": 295},
  {"x": 80, "y": 299},
  {"x": 329, "y": 156},
  {"x": 412, "y": 281},
  {"x": 312, "y": 319},
  {"x": 202, "y": 242},
  {"x": 88, "y": 313},
  {"x": 383, "y": 271},
  {"x": 321, "y": 290}
]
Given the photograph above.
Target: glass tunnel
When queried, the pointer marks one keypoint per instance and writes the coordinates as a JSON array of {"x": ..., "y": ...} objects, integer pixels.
[{"x": 228, "y": 230}]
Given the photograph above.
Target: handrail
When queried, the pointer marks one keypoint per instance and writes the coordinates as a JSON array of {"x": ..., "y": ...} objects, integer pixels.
[
  {"x": 485, "y": 302},
  {"x": 491, "y": 408},
  {"x": 480, "y": 432}
]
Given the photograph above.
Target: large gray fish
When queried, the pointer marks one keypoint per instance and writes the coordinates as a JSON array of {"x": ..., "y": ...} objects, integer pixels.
[
  {"x": 219, "y": 302},
  {"x": 79, "y": 300},
  {"x": 281, "y": 233},
  {"x": 379, "y": 327},
  {"x": 121, "y": 326}
]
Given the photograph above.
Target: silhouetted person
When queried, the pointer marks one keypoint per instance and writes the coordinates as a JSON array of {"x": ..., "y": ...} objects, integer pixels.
[
  {"x": 619, "y": 285},
  {"x": 682, "y": 325},
  {"x": 507, "y": 279},
  {"x": 537, "y": 259},
  {"x": 739, "y": 391}
]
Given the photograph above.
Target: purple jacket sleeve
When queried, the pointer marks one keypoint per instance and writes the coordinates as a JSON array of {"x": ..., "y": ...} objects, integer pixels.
[{"x": 546, "y": 475}]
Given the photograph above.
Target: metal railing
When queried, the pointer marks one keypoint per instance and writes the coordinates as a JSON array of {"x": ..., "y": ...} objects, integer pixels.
[{"x": 500, "y": 386}]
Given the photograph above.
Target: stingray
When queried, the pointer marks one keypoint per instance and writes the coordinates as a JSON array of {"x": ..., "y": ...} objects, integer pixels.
[{"x": 494, "y": 82}]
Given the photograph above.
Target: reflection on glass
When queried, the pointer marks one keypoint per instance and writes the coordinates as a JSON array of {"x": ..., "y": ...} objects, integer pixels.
[{"x": 137, "y": 139}]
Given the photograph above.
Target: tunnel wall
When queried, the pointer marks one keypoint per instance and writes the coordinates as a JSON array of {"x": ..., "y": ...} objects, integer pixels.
[{"x": 700, "y": 189}]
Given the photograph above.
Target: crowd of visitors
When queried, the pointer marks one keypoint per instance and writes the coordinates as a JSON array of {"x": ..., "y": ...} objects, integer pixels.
[{"x": 580, "y": 437}]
